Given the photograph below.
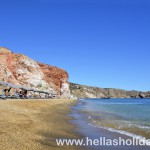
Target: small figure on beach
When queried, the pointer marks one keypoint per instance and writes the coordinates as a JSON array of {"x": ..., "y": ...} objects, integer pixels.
[{"x": 6, "y": 91}]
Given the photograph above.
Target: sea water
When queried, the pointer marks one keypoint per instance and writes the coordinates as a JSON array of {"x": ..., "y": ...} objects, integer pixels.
[{"x": 125, "y": 116}]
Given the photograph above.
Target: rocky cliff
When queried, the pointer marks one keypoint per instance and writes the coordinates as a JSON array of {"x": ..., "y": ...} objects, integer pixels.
[
  {"x": 21, "y": 70},
  {"x": 82, "y": 91}
]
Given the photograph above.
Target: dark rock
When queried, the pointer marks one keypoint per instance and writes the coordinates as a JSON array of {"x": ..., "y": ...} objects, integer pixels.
[{"x": 141, "y": 95}]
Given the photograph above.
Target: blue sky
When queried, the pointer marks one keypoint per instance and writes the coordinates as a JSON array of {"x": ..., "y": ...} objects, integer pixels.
[{"x": 103, "y": 43}]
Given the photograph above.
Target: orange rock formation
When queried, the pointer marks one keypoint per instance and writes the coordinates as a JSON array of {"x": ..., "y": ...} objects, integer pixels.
[{"x": 21, "y": 70}]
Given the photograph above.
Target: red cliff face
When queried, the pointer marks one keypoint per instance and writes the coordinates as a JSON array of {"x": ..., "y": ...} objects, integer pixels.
[
  {"x": 21, "y": 70},
  {"x": 56, "y": 76}
]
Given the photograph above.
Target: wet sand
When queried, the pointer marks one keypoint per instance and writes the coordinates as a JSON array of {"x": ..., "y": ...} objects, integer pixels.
[{"x": 35, "y": 124}]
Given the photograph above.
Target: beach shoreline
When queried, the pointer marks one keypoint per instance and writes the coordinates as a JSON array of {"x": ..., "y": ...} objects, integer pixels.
[
  {"x": 35, "y": 124},
  {"x": 92, "y": 132}
]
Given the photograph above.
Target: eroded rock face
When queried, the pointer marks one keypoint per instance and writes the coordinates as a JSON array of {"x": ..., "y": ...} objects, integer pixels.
[
  {"x": 58, "y": 79},
  {"x": 21, "y": 70}
]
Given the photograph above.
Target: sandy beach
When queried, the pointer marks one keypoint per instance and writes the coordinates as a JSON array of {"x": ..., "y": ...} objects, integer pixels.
[{"x": 35, "y": 124}]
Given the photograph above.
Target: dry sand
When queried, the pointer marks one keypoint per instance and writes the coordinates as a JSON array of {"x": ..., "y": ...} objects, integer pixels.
[{"x": 34, "y": 124}]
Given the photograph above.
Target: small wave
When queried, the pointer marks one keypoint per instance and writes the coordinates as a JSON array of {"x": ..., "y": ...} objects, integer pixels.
[
  {"x": 81, "y": 99},
  {"x": 139, "y": 126},
  {"x": 119, "y": 131},
  {"x": 143, "y": 127}
]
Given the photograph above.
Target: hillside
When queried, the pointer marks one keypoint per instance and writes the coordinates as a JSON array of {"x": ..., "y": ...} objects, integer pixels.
[
  {"x": 83, "y": 91},
  {"x": 19, "y": 69}
]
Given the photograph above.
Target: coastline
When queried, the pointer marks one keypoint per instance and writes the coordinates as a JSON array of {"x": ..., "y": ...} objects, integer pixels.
[
  {"x": 35, "y": 124},
  {"x": 94, "y": 132}
]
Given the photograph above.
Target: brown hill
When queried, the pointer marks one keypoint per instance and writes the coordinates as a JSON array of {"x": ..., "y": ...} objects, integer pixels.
[{"x": 83, "y": 91}]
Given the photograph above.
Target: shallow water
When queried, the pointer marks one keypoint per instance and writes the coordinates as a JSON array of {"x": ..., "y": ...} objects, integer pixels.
[{"x": 125, "y": 116}]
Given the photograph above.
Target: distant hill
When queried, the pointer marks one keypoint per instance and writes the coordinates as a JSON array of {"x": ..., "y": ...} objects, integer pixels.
[{"x": 83, "y": 91}]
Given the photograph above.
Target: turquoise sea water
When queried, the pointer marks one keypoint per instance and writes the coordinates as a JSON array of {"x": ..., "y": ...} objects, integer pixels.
[{"x": 125, "y": 116}]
